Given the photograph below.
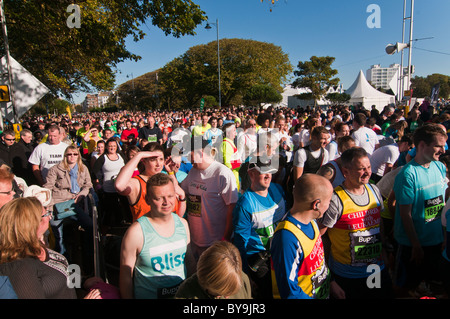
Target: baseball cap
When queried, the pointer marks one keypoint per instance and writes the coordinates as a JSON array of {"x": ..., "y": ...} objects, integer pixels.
[
  {"x": 263, "y": 165},
  {"x": 43, "y": 194}
]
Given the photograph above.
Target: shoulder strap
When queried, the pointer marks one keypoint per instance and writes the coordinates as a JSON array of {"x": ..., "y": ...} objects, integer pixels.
[{"x": 302, "y": 238}]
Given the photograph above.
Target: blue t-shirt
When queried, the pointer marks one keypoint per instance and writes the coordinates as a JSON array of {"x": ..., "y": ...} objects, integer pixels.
[
  {"x": 424, "y": 189},
  {"x": 255, "y": 219},
  {"x": 287, "y": 257}
]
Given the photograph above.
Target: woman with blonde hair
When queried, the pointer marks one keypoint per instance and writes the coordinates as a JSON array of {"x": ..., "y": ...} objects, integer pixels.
[
  {"x": 71, "y": 180},
  {"x": 219, "y": 275},
  {"x": 34, "y": 271}
]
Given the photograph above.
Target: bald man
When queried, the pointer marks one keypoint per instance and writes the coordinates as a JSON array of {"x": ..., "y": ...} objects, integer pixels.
[{"x": 297, "y": 251}]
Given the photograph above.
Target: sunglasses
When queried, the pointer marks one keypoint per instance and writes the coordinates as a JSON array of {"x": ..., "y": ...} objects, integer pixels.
[
  {"x": 10, "y": 139},
  {"x": 49, "y": 213},
  {"x": 72, "y": 154}
]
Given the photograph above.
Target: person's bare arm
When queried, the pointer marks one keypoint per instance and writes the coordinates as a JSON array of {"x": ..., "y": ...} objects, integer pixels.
[
  {"x": 37, "y": 173},
  {"x": 132, "y": 243},
  {"x": 408, "y": 225},
  {"x": 229, "y": 222}
]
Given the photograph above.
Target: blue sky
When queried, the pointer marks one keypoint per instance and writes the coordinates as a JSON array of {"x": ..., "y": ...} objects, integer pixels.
[{"x": 304, "y": 28}]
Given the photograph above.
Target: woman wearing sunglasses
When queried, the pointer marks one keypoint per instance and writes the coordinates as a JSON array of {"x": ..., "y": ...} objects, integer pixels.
[{"x": 68, "y": 180}]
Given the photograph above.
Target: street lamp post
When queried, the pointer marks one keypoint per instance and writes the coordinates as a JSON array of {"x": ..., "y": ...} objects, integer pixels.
[{"x": 208, "y": 26}]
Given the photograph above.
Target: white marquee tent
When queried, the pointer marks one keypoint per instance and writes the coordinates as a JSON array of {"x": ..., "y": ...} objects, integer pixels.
[{"x": 361, "y": 92}]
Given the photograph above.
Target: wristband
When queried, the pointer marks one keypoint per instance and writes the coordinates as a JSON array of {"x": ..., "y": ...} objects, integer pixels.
[
  {"x": 182, "y": 199},
  {"x": 171, "y": 173}
]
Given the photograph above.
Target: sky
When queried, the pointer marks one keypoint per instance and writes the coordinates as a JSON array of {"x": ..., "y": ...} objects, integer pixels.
[{"x": 304, "y": 28}]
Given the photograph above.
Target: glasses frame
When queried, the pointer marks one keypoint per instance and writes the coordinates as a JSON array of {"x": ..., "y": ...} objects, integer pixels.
[{"x": 8, "y": 193}]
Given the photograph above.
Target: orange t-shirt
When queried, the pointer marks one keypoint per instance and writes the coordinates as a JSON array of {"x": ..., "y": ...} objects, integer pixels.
[{"x": 140, "y": 208}]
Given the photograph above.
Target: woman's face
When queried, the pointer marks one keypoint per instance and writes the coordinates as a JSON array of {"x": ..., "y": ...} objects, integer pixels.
[
  {"x": 154, "y": 165},
  {"x": 101, "y": 148},
  {"x": 111, "y": 147},
  {"x": 72, "y": 156}
]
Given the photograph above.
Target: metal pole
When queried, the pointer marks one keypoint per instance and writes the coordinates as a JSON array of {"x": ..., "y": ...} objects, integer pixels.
[
  {"x": 10, "y": 80},
  {"x": 218, "y": 61},
  {"x": 402, "y": 80},
  {"x": 410, "y": 51}
]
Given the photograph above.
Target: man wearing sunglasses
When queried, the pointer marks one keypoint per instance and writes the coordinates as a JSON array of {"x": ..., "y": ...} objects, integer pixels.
[{"x": 8, "y": 140}]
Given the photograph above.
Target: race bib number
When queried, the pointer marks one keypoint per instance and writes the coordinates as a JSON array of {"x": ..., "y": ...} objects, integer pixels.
[
  {"x": 152, "y": 138},
  {"x": 433, "y": 208},
  {"x": 194, "y": 205},
  {"x": 366, "y": 246}
]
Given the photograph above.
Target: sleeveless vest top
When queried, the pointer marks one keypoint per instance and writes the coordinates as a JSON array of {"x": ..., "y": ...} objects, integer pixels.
[{"x": 160, "y": 266}]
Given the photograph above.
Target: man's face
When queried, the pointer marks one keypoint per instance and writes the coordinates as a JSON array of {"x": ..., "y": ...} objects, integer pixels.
[
  {"x": 161, "y": 199},
  {"x": 320, "y": 141},
  {"x": 204, "y": 120},
  {"x": 231, "y": 132},
  {"x": 281, "y": 125},
  {"x": 259, "y": 181},
  {"x": 27, "y": 138},
  {"x": 196, "y": 157},
  {"x": 54, "y": 137},
  {"x": 151, "y": 122},
  {"x": 214, "y": 123},
  {"x": 6, "y": 192},
  {"x": 359, "y": 171},
  {"x": 108, "y": 134},
  {"x": 8, "y": 139},
  {"x": 434, "y": 149}
]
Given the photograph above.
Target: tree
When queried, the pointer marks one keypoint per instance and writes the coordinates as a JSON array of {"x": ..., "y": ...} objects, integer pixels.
[
  {"x": 262, "y": 93},
  {"x": 68, "y": 60},
  {"x": 422, "y": 85},
  {"x": 244, "y": 63},
  {"x": 338, "y": 98},
  {"x": 140, "y": 93},
  {"x": 316, "y": 75}
]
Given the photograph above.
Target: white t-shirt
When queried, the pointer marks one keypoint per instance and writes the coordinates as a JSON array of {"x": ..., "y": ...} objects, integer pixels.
[
  {"x": 110, "y": 170},
  {"x": 365, "y": 138},
  {"x": 305, "y": 137},
  {"x": 208, "y": 192},
  {"x": 246, "y": 145},
  {"x": 332, "y": 149},
  {"x": 47, "y": 155},
  {"x": 387, "y": 154}
]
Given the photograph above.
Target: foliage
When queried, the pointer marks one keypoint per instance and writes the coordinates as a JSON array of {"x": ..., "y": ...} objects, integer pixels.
[
  {"x": 316, "y": 75},
  {"x": 422, "y": 85},
  {"x": 262, "y": 93},
  {"x": 338, "y": 98},
  {"x": 244, "y": 63},
  {"x": 69, "y": 60}
]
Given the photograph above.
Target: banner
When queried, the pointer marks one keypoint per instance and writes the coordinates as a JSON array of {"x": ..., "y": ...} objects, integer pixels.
[{"x": 434, "y": 96}]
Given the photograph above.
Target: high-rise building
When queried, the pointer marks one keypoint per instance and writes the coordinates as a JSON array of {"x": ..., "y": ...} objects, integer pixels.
[{"x": 387, "y": 78}]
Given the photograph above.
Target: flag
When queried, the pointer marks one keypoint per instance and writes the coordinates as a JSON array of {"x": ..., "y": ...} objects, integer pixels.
[
  {"x": 69, "y": 112},
  {"x": 434, "y": 96}
]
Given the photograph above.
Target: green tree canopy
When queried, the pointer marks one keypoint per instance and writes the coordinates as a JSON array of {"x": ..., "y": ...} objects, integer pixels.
[
  {"x": 422, "y": 85},
  {"x": 316, "y": 75},
  {"x": 262, "y": 93},
  {"x": 244, "y": 63},
  {"x": 69, "y": 60}
]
